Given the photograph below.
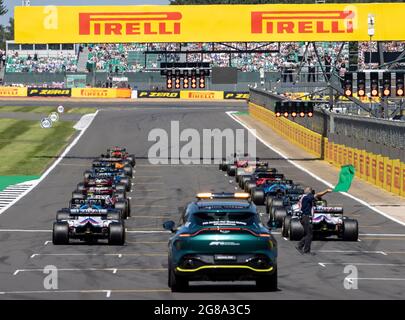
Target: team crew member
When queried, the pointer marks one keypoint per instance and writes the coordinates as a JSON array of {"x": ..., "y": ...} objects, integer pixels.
[{"x": 306, "y": 203}]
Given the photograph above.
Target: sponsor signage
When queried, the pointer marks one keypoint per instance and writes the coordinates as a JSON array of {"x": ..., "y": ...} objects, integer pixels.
[
  {"x": 201, "y": 95},
  {"x": 236, "y": 95},
  {"x": 159, "y": 94},
  {"x": 49, "y": 92},
  {"x": 220, "y": 23},
  {"x": 13, "y": 92},
  {"x": 101, "y": 93}
]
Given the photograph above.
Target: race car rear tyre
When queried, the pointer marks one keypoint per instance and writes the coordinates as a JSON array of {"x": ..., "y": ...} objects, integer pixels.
[
  {"x": 122, "y": 205},
  {"x": 131, "y": 158},
  {"x": 61, "y": 215},
  {"x": 279, "y": 215},
  {"x": 258, "y": 196},
  {"x": 127, "y": 182},
  {"x": 277, "y": 203},
  {"x": 128, "y": 171},
  {"x": 296, "y": 231},
  {"x": 116, "y": 235},
  {"x": 78, "y": 195},
  {"x": 87, "y": 174},
  {"x": 177, "y": 283},
  {"x": 268, "y": 283},
  {"x": 231, "y": 170},
  {"x": 129, "y": 207},
  {"x": 121, "y": 187},
  {"x": 350, "y": 230},
  {"x": 267, "y": 203},
  {"x": 120, "y": 194},
  {"x": 114, "y": 216},
  {"x": 286, "y": 226},
  {"x": 249, "y": 186},
  {"x": 243, "y": 181},
  {"x": 80, "y": 186},
  {"x": 60, "y": 234}
]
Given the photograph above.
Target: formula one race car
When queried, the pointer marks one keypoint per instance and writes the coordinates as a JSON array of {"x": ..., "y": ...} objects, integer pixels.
[
  {"x": 270, "y": 189},
  {"x": 247, "y": 168},
  {"x": 125, "y": 171},
  {"x": 102, "y": 202},
  {"x": 118, "y": 154},
  {"x": 106, "y": 180},
  {"x": 221, "y": 239},
  {"x": 278, "y": 207},
  {"x": 231, "y": 160},
  {"x": 259, "y": 178},
  {"x": 326, "y": 221},
  {"x": 112, "y": 191},
  {"x": 88, "y": 225}
]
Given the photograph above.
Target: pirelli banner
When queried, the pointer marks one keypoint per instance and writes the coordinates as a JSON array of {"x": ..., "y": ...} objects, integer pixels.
[
  {"x": 13, "y": 92},
  {"x": 208, "y": 23},
  {"x": 201, "y": 95},
  {"x": 49, "y": 92},
  {"x": 158, "y": 94},
  {"x": 101, "y": 93}
]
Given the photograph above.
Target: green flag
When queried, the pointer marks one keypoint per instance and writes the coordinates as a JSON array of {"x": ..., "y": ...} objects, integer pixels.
[{"x": 345, "y": 178}]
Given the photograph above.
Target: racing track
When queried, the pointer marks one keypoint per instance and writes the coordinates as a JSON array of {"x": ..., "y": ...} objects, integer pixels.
[{"x": 138, "y": 270}]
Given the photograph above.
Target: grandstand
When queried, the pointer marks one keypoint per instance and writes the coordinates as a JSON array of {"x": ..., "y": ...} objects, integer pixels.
[{"x": 282, "y": 58}]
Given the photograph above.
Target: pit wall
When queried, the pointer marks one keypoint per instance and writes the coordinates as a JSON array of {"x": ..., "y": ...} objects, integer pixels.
[{"x": 379, "y": 170}]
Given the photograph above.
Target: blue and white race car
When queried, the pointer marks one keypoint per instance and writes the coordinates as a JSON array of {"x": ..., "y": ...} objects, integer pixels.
[{"x": 88, "y": 224}]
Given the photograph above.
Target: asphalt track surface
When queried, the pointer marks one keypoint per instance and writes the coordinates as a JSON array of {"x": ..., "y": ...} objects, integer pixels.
[{"x": 138, "y": 270}]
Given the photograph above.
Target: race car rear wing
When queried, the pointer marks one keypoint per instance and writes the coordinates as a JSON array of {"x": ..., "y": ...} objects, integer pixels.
[
  {"x": 223, "y": 195},
  {"x": 90, "y": 211},
  {"x": 337, "y": 210}
]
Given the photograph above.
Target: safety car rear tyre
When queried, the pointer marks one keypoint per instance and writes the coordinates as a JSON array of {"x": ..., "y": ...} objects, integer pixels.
[
  {"x": 177, "y": 283},
  {"x": 296, "y": 231},
  {"x": 60, "y": 233},
  {"x": 116, "y": 234},
  {"x": 350, "y": 230},
  {"x": 268, "y": 283}
]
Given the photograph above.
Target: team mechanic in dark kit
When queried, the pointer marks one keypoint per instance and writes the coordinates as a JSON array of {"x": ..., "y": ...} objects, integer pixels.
[{"x": 307, "y": 202}]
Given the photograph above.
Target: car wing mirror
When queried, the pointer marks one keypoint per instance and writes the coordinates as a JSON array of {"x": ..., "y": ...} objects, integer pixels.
[{"x": 169, "y": 225}]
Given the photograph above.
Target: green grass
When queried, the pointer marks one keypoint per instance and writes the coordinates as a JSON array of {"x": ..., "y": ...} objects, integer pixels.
[
  {"x": 28, "y": 149},
  {"x": 46, "y": 110}
]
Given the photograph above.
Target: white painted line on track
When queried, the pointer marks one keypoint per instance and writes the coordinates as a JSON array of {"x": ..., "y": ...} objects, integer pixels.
[
  {"x": 112, "y": 270},
  {"x": 25, "y": 230},
  {"x": 378, "y": 279},
  {"x": 351, "y": 251},
  {"x": 328, "y": 184},
  {"x": 324, "y": 264},
  {"x": 382, "y": 234},
  {"x": 118, "y": 255},
  {"x": 86, "y": 291},
  {"x": 55, "y": 163}
]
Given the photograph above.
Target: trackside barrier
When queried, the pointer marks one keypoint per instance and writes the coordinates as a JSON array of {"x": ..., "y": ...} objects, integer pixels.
[
  {"x": 13, "y": 91},
  {"x": 101, "y": 93},
  {"x": 379, "y": 170}
]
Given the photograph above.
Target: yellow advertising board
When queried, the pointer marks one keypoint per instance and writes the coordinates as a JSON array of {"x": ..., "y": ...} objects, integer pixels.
[
  {"x": 201, "y": 95},
  {"x": 99, "y": 93},
  {"x": 208, "y": 23},
  {"x": 13, "y": 92}
]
